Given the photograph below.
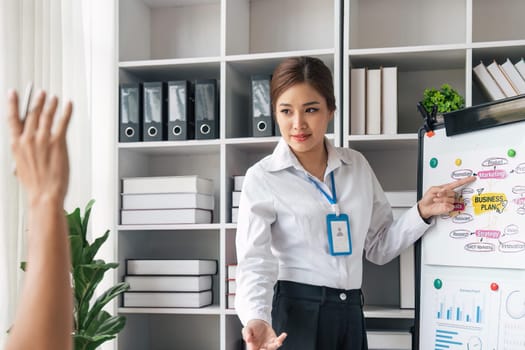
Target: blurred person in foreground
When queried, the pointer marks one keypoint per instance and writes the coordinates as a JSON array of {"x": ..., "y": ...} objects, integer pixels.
[{"x": 44, "y": 318}]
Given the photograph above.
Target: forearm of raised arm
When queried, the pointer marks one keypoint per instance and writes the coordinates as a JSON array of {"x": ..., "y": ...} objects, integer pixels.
[{"x": 46, "y": 305}]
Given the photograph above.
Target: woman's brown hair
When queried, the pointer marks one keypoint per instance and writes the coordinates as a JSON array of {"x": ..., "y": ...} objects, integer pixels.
[{"x": 304, "y": 69}]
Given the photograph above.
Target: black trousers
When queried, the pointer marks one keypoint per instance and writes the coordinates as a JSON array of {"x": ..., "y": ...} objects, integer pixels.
[{"x": 318, "y": 318}]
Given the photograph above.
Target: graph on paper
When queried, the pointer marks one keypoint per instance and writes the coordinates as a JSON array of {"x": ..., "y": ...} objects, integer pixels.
[{"x": 459, "y": 314}]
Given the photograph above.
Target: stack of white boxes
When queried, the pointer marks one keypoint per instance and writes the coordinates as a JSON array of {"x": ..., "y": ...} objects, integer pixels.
[
  {"x": 167, "y": 200},
  {"x": 236, "y": 196},
  {"x": 169, "y": 283},
  {"x": 232, "y": 285}
]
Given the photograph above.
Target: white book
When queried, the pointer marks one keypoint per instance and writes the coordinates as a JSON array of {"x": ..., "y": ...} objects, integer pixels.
[
  {"x": 167, "y": 299},
  {"x": 407, "y": 281},
  {"x": 167, "y": 184},
  {"x": 165, "y": 216},
  {"x": 231, "y": 301},
  {"x": 232, "y": 271},
  {"x": 520, "y": 66},
  {"x": 512, "y": 74},
  {"x": 167, "y": 201},
  {"x": 373, "y": 101},
  {"x": 501, "y": 80},
  {"x": 237, "y": 183},
  {"x": 236, "y": 198},
  {"x": 487, "y": 83},
  {"x": 169, "y": 283},
  {"x": 389, "y": 100},
  {"x": 232, "y": 286},
  {"x": 403, "y": 199},
  {"x": 170, "y": 267},
  {"x": 357, "y": 101},
  {"x": 235, "y": 215}
]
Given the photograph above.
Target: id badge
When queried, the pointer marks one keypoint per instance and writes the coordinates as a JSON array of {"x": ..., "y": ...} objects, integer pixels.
[{"x": 338, "y": 229}]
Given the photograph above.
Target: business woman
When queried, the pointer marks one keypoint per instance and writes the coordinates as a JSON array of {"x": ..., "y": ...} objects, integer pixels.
[{"x": 307, "y": 214}]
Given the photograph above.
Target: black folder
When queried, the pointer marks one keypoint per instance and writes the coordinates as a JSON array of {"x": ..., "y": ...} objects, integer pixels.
[
  {"x": 262, "y": 121},
  {"x": 206, "y": 109},
  {"x": 181, "y": 120},
  {"x": 130, "y": 112},
  {"x": 154, "y": 111}
]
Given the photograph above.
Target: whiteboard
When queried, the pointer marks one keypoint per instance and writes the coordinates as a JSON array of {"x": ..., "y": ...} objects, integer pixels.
[{"x": 472, "y": 265}]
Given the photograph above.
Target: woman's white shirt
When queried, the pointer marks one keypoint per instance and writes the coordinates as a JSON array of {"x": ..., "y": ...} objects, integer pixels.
[{"x": 282, "y": 233}]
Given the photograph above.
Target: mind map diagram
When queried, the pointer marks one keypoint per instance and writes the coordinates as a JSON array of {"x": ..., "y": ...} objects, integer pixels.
[{"x": 488, "y": 219}]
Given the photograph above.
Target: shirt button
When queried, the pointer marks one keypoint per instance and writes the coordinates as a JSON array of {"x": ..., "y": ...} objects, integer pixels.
[{"x": 342, "y": 296}]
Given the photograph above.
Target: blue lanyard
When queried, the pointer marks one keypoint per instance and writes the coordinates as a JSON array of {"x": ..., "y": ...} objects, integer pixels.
[{"x": 331, "y": 200}]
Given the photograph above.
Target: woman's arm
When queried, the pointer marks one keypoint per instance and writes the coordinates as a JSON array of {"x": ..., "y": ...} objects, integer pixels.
[{"x": 44, "y": 319}]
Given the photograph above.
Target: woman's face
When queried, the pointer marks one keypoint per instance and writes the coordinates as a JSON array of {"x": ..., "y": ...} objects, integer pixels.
[{"x": 303, "y": 116}]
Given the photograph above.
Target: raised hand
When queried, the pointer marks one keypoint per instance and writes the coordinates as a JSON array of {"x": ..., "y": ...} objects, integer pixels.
[{"x": 42, "y": 164}]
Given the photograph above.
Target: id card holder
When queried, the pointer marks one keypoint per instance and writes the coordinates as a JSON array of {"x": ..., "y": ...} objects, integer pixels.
[{"x": 338, "y": 229}]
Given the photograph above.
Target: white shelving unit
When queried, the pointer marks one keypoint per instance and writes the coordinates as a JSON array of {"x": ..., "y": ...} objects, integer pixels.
[
  {"x": 227, "y": 40},
  {"x": 430, "y": 42}
]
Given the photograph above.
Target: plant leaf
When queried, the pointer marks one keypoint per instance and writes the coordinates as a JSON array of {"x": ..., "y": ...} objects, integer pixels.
[
  {"x": 102, "y": 300},
  {"x": 85, "y": 280},
  {"x": 77, "y": 248},
  {"x": 91, "y": 250},
  {"x": 112, "y": 325},
  {"x": 85, "y": 222},
  {"x": 74, "y": 221},
  {"x": 106, "y": 324},
  {"x": 95, "y": 324}
]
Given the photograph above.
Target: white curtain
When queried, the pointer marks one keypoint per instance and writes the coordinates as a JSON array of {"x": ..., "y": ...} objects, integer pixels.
[{"x": 68, "y": 48}]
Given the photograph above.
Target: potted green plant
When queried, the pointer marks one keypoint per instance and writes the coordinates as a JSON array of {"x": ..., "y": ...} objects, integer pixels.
[
  {"x": 445, "y": 99},
  {"x": 92, "y": 325},
  {"x": 436, "y": 102}
]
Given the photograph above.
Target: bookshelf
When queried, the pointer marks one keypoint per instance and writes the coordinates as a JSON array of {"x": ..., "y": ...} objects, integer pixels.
[
  {"x": 431, "y": 43},
  {"x": 230, "y": 40},
  {"x": 227, "y": 40}
]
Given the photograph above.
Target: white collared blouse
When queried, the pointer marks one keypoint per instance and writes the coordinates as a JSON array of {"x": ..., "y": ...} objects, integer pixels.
[{"x": 282, "y": 233}]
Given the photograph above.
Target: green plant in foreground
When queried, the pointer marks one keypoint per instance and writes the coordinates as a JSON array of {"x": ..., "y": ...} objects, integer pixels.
[
  {"x": 92, "y": 325},
  {"x": 446, "y": 99}
]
